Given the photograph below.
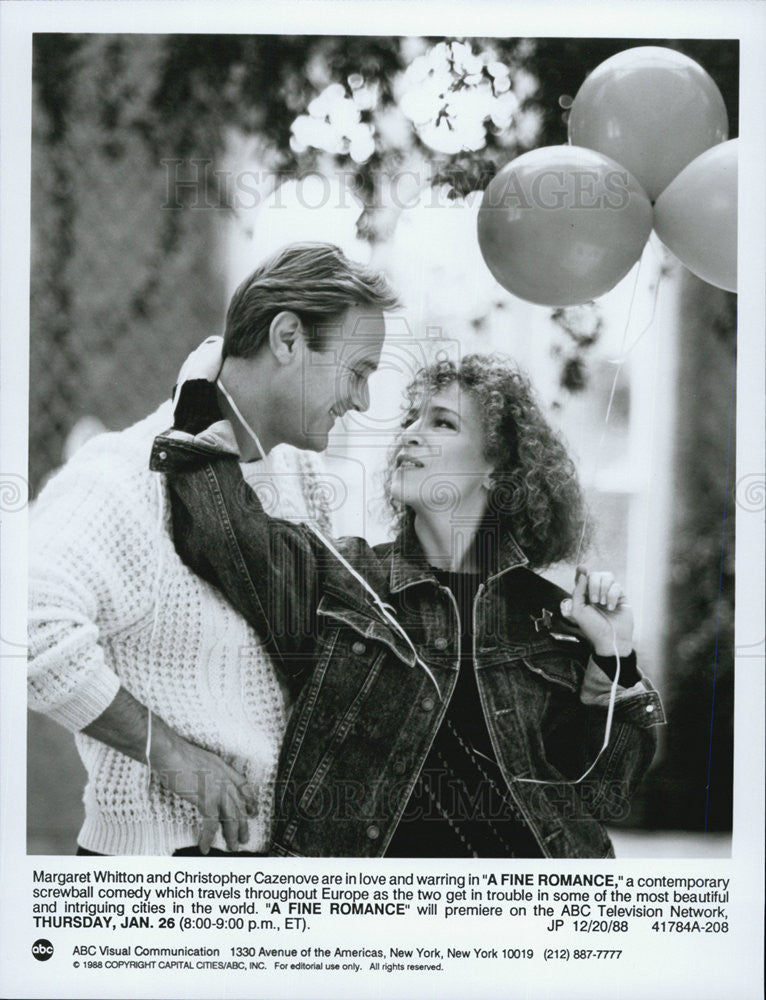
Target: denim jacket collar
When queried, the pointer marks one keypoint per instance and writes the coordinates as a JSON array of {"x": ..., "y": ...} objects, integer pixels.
[{"x": 409, "y": 565}]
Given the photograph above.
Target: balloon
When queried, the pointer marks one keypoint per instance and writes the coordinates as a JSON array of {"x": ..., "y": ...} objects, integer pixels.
[
  {"x": 653, "y": 110},
  {"x": 562, "y": 225},
  {"x": 696, "y": 216}
]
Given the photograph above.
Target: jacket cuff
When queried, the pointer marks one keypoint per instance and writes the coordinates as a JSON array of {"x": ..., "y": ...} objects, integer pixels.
[
  {"x": 639, "y": 704},
  {"x": 177, "y": 451}
]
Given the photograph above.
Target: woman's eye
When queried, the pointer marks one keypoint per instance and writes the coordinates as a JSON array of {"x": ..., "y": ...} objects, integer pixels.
[{"x": 445, "y": 422}]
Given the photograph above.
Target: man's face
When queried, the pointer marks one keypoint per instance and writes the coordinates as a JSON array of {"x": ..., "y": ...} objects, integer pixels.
[{"x": 329, "y": 382}]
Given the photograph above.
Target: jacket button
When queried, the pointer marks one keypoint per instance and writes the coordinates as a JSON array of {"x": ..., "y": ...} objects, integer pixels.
[
  {"x": 427, "y": 704},
  {"x": 373, "y": 832},
  {"x": 650, "y": 708},
  {"x": 399, "y": 767},
  {"x": 440, "y": 643},
  {"x": 358, "y": 648},
  {"x": 163, "y": 455}
]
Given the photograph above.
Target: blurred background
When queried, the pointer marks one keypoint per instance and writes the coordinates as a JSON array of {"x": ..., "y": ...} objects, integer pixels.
[{"x": 165, "y": 167}]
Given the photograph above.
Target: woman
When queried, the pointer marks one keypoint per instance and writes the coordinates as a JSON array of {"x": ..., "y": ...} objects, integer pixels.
[{"x": 446, "y": 707}]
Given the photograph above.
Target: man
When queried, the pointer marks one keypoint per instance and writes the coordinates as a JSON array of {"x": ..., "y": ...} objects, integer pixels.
[{"x": 140, "y": 658}]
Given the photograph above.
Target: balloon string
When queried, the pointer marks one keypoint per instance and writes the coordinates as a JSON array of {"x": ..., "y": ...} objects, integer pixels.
[
  {"x": 618, "y": 363},
  {"x": 639, "y": 338},
  {"x": 602, "y": 438}
]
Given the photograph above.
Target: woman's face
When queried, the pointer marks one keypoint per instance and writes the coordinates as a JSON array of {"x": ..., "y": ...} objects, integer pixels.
[{"x": 439, "y": 461}]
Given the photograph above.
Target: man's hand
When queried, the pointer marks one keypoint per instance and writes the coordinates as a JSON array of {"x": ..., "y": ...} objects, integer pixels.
[
  {"x": 599, "y": 607},
  {"x": 220, "y": 793}
]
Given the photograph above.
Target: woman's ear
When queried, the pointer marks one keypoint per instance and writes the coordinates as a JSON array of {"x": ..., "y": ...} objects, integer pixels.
[{"x": 285, "y": 332}]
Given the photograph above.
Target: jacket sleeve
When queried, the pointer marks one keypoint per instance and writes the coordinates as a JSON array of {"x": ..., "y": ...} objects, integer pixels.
[
  {"x": 267, "y": 568},
  {"x": 576, "y": 743},
  {"x": 601, "y": 776}
]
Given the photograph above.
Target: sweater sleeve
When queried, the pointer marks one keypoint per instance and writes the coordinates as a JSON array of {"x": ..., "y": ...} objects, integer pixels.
[{"x": 86, "y": 547}]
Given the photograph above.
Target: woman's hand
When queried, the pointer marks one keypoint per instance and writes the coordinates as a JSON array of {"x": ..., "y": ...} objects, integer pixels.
[{"x": 599, "y": 607}]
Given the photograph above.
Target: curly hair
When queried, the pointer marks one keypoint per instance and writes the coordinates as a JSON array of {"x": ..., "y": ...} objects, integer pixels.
[{"x": 535, "y": 492}]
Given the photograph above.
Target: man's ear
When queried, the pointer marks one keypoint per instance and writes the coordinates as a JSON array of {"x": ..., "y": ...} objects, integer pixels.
[{"x": 285, "y": 333}]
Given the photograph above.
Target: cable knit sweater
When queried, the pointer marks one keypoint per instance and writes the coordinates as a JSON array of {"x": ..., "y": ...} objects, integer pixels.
[{"x": 111, "y": 603}]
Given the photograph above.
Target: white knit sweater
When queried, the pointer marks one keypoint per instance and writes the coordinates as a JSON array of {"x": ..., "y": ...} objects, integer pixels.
[{"x": 111, "y": 603}]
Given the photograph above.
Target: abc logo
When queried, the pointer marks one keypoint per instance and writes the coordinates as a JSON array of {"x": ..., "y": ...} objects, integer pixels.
[{"x": 42, "y": 950}]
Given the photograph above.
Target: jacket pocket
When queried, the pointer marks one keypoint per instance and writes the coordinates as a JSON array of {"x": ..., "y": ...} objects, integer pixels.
[
  {"x": 555, "y": 666},
  {"x": 367, "y": 626}
]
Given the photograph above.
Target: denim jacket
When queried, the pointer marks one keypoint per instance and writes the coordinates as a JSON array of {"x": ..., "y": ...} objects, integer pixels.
[{"x": 370, "y": 699}]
